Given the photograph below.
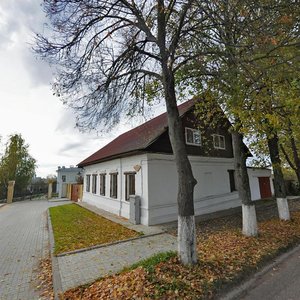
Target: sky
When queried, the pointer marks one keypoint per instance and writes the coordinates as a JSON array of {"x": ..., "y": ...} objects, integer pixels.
[{"x": 27, "y": 105}]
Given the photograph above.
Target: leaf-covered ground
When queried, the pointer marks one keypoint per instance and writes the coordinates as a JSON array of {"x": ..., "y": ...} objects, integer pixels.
[
  {"x": 75, "y": 227},
  {"x": 44, "y": 280},
  {"x": 225, "y": 257}
]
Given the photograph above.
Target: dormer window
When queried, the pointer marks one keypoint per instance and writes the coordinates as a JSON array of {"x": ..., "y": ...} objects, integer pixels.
[
  {"x": 192, "y": 137},
  {"x": 219, "y": 141}
]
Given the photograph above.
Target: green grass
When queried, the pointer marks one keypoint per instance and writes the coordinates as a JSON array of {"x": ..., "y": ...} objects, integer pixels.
[
  {"x": 149, "y": 263},
  {"x": 75, "y": 227}
]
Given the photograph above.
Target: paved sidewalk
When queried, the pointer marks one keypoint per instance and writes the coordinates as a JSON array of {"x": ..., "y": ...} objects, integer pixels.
[
  {"x": 23, "y": 242},
  {"x": 84, "y": 267}
]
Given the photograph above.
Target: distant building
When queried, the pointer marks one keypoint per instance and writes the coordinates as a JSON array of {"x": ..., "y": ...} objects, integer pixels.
[{"x": 66, "y": 176}]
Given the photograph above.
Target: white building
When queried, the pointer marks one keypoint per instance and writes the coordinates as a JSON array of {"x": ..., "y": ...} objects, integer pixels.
[
  {"x": 64, "y": 177},
  {"x": 140, "y": 162}
]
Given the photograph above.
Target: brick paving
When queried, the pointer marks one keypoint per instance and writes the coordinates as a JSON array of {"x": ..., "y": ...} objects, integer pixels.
[
  {"x": 23, "y": 242},
  {"x": 84, "y": 267}
]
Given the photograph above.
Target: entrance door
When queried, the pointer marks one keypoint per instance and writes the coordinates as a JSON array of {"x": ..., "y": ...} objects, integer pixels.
[
  {"x": 75, "y": 192},
  {"x": 264, "y": 187}
]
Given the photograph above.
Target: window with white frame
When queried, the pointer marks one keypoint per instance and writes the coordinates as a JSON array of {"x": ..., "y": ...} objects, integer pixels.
[
  {"x": 102, "y": 184},
  {"x": 88, "y": 183},
  {"x": 129, "y": 184},
  {"x": 94, "y": 183},
  {"x": 192, "y": 136},
  {"x": 219, "y": 141},
  {"x": 114, "y": 185}
]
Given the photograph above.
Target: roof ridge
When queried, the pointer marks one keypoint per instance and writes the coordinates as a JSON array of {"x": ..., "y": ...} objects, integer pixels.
[{"x": 137, "y": 138}]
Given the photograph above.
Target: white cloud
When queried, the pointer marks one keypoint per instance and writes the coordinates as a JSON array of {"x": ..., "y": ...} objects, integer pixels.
[
  {"x": 27, "y": 104},
  {"x": 26, "y": 101}
]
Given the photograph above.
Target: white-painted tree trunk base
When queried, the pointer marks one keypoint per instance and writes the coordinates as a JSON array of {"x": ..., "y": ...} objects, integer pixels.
[
  {"x": 187, "y": 240},
  {"x": 249, "y": 220},
  {"x": 283, "y": 209}
]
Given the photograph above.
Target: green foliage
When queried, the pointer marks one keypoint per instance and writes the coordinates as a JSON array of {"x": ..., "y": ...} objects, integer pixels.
[{"x": 16, "y": 164}]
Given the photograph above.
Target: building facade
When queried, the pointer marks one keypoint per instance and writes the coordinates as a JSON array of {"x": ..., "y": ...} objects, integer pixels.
[
  {"x": 65, "y": 176},
  {"x": 140, "y": 162}
]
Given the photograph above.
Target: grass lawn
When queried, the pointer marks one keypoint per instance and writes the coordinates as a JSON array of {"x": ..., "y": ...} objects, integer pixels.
[
  {"x": 75, "y": 227},
  {"x": 225, "y": 258}
]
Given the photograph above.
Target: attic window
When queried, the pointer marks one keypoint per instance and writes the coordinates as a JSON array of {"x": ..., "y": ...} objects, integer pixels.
[
  {"x": 192, "y": 137},
  {"x": 219, "y": 141}
]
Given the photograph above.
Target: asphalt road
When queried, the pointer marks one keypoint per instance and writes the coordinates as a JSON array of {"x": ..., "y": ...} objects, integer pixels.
[{"x": 282, "y": 282}]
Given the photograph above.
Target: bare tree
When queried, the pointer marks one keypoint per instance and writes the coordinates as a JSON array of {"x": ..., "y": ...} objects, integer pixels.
[{"x": 107, "y": 53}]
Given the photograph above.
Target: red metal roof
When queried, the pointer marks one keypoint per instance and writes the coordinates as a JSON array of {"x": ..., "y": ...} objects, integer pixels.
[{"x": 136, "y": 139}]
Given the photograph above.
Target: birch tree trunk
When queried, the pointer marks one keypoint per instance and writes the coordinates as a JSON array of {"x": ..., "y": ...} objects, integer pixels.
[
  {"x": 243, "y": 187},
  {"x": 279, "y": 185}
]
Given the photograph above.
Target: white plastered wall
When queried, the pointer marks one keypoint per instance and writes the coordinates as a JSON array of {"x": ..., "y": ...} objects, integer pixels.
[
  {"x": 119, "y": 206},
  {"x": 253, "y": 174},
  {"x": 156, "y": 184},
  {"x": 212, "y": 192}
]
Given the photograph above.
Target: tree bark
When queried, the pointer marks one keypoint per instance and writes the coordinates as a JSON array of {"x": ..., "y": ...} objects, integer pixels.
[
  {"x": 295, "y": 155},
  {"x": 186, "y": 181},
  {"x": 243, "y": 186},
  {"x": 279, "y": 185}
]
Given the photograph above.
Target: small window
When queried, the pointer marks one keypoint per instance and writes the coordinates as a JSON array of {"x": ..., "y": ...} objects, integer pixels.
[
  {"x": 114, "y": 185},
  {"x": 192, "y": 137},
  {"x": 231, "y": 180},
  {"x": 219, "y": 141},
  {"x": 102, "y": 184},
  {"x": 129, "y": 185},
  {"x": 94, "y": 184},
  {"x": 88, "y": 183},
  {"x": 63, "y": 177}
]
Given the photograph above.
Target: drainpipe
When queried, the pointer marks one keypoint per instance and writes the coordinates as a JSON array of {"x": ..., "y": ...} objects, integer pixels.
[{"x": 121, "y": 186}]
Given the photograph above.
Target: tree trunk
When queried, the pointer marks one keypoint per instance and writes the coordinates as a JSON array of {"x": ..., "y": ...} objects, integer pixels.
[
  {"x": 186, "y": 181},
  {"x": 298, "y": 176},
  {"x": 295, "y": 155},
  {"x": 242, "y": 184},
  {"x": 279, "y": 185}
]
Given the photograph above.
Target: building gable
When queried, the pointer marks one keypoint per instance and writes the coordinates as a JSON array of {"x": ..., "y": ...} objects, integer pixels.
[{"x": 207, "y": 148}]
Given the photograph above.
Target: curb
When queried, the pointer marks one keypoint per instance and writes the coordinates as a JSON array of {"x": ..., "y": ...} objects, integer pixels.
[
  {"x": 108, "y": 244},
  {"x": 3, "y": 205},
  {"x": 56, "y": 279},
  {"x": 238, "y": 291}
]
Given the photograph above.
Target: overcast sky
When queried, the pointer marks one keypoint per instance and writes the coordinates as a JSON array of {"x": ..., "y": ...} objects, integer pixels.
[{"x": 26, "y": 102}]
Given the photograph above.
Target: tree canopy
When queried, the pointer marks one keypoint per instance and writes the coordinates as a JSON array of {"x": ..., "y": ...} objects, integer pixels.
[{"x": 16, "y": 164}]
